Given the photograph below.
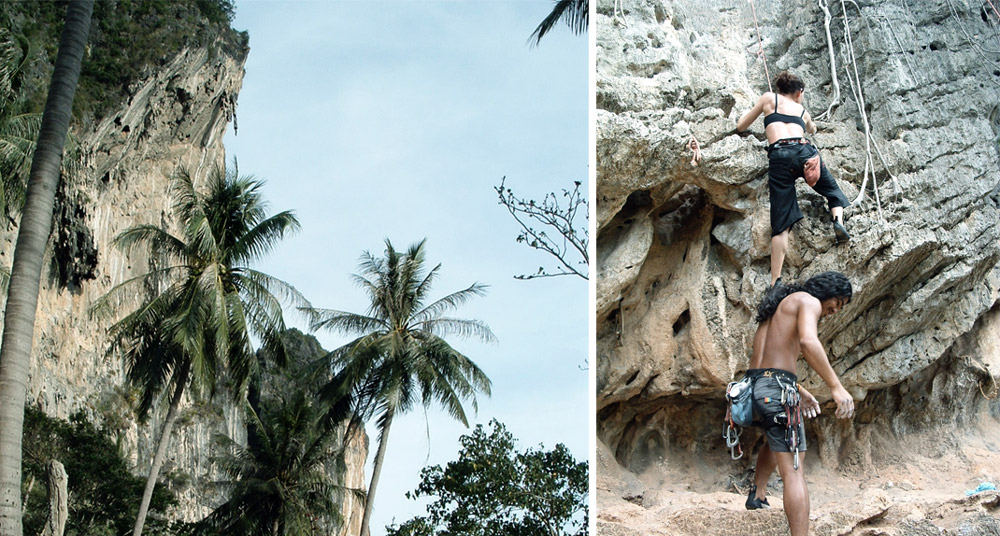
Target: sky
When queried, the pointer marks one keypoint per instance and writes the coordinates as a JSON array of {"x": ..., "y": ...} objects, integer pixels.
[{"x": 376, "y": 120}]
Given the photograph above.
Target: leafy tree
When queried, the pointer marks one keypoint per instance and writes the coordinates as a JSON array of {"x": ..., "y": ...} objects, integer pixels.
[
  {"x": 205, "y": 303},
  {"x": 102, "y": 492},
  {"x": 401, "y": 356},
  {"x": 575, "y": 13},
  {"x": 29, "y": 253},
  {"x": 494, "y": 490},
  {"x": 569, "y": 245}
]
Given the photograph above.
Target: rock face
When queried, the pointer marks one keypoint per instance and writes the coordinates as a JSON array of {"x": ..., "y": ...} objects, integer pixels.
[
  {"x": 175, "y": 119},
  {"x": 684, "y": 251}
]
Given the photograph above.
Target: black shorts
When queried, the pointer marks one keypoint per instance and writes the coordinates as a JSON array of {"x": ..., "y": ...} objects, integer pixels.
[
  {"x": 785, "y": 166},
  {"x": 768, "y": 412}
]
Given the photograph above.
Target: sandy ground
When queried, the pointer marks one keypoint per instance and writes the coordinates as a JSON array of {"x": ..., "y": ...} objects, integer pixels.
[{"x": 908, "y": 493}]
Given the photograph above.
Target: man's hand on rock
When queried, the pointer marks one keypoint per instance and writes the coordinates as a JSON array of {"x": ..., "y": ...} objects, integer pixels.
[{"x": 845, "y": 404}]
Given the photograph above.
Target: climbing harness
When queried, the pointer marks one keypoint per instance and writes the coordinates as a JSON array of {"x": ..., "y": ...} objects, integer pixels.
[{"x": 761, "y": 43}]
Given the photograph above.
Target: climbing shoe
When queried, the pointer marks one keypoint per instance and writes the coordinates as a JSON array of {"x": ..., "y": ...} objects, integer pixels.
[
  {"x": 753, "y": 503},
  {"x": 840, "y": 232}
]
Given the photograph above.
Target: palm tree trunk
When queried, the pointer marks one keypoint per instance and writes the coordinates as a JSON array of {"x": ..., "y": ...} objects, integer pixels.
[
  {"x": 36, "y": 222},
  {"x": 376, "y": 470},
  {"x": 161, "y": 449}
]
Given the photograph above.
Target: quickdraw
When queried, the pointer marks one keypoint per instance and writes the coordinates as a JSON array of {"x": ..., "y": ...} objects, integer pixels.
[
  {"x": 731, "y": 433},
  {"x": 790, "y": 401}
]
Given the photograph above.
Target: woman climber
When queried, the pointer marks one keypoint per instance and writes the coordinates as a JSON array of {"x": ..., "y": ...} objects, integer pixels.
[{"x": 791, "y": 156}]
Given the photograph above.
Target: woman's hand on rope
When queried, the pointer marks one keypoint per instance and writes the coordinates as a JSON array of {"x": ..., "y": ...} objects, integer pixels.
[{"x": 696, "y": 157}]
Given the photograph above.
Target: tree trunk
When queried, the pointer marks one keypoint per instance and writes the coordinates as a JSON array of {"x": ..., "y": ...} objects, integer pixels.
[
  {"x": 161, "y": 449},
  {"x": 36, "y": 222},
  {"x": 376, "y": 470},
  {"x": 55, "y": 523}
]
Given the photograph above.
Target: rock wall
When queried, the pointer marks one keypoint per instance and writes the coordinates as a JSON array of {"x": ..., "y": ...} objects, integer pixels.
[
  {"x": 683, "y": 250},
  {"x": 175, "y": 118}
]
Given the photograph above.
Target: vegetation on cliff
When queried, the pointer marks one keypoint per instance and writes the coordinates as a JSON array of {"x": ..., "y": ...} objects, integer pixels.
[
  {"x": 102, "y": 490},
  {"x": 129, "y": 39}
]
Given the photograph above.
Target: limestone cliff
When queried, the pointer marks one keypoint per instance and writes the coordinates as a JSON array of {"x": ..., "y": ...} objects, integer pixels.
[
  {"x": 174, "y": 118},
  {"x": 683, "y": 250}
]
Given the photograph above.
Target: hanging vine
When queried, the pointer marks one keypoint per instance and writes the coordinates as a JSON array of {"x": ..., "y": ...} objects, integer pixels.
[{"x": 854, "y": 83}]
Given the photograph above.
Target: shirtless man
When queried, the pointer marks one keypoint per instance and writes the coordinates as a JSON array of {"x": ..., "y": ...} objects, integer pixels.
[{"x": 788, "y": 318}]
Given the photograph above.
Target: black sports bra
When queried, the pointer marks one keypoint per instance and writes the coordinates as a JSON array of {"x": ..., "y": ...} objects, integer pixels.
[{"x": 775, "y": 117}]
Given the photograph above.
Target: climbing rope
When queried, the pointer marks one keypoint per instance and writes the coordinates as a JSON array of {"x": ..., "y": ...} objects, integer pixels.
[
  {"x": 994, "y": 10},
  {"x": 761, "y": 43}
]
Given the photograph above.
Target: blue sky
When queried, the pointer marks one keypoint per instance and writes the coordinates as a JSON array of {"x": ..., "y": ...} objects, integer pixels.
[{"x": 376, "y": 120}]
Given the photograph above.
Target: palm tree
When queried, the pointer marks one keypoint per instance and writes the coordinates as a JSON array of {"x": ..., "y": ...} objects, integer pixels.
[
  {"x": 401, "y": 356},
  {"x": 281, "y": 482},
  {"x": 199, "y": 324},
  {"x": 575, "y": 13},
  {"x": 29, "y": 252},
  {"x": 18, "y": 130}
]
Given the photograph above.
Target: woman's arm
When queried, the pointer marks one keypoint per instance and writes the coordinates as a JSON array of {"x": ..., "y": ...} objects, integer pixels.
[
  {"x": 748, "y": 118},
  {"x": 811, "y": 127}
]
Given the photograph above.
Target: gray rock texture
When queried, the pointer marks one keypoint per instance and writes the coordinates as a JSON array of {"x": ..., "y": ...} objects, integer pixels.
[
  {"x": 174, "y": 119},
  {"x": 684, "y": 251}
]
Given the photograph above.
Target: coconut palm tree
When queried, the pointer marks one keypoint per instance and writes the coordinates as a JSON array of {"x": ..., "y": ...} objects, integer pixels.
[
  {"x": 401, "y": 356},
  {"x": 18, "y": 129},
  {"x": 283, "y": 480},
  {"x": 204, "y": 303},
  {"x": 575, "y": 13},
  {"x": 29, "y": 252}
]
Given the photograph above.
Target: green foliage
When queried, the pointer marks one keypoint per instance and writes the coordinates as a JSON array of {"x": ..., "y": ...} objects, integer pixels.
[
  {"x": 128, "y": 39},
  {"x": 575, "y": 13},
  {"x": 18, "y": 131},
  {"x": 201, "y": 303},
  {"x": 401, "y": 357},
  {"x": 193, "y": 314},
  {"x": 103, "y": 493},
  {"x": 286, "y": 479},
  {"x": 494, "y": 490}
]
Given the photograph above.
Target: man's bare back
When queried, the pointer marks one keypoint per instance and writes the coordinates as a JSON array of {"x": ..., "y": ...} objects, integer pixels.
[
  {"x": 792, "y": 331},
  {"x": 788, "y": 319}
]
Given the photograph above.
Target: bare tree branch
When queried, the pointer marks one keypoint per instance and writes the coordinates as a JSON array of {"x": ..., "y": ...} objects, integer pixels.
[{"x": 568, "y": 245}]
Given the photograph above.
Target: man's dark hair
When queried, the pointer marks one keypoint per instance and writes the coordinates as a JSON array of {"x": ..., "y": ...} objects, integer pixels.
[
  {"x": 820, "y": 286},
  {"x": 788, "y": 83}
]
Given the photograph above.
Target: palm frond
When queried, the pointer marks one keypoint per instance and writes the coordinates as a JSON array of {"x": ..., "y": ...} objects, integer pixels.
[
  {"x": 280, "y": 290},
  {"x": 344, "y": 322},
  {"x": 450, "y": 302},
  {"x": 157, "y": 240},
  {"x": 262, "y": 238},
  {"x": 575, "y": 13},
  {"x": 130, "y": 290},
  {"x": 462, "y": 328}
]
